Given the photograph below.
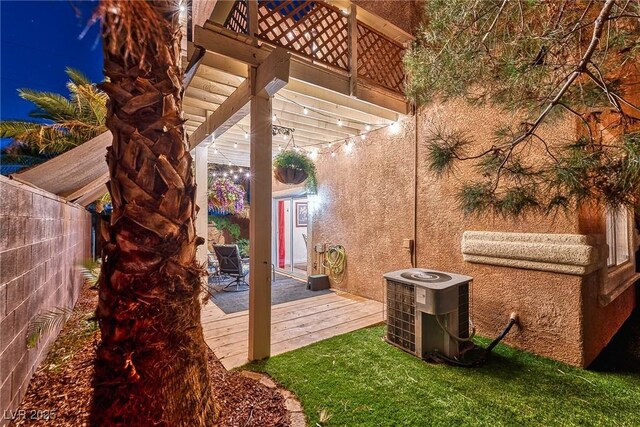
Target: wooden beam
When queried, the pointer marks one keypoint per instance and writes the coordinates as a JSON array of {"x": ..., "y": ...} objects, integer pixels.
[
  {"x": 378, "y": 96},
  {"x": 271, "y": 76},
  {"x": 353, "y": 49},
  {"x": 213, "y": 87},
  {"x": 192, "y": 66},
  {"x": 220, "y": 11},
  {"x": 317, "y": 81},
  {"x": 252, "y": 6},
  {"x": 216, "y": 41},
  {"x": 224, "y": 63},
  {"x": 385, "y": 27},
  {"x": 260, "y": 230},
  {"x": 200, "y": 154},
  {"x": 226, "y": 115}
]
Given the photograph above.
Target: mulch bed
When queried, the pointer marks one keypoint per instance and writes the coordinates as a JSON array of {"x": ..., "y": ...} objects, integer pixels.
[{"x": 62, "y": 383}]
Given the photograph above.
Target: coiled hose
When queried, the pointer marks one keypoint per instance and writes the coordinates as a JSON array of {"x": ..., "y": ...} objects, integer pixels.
[{"x": 335, "y": 261}]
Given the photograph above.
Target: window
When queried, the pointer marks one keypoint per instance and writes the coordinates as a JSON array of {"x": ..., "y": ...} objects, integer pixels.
[{"x": 617, "y": 237}]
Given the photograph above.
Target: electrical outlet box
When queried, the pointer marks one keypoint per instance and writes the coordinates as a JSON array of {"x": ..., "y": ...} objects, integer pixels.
[
  {"x": 407, "y": 244},
  {"x": 319, "y": 248}
]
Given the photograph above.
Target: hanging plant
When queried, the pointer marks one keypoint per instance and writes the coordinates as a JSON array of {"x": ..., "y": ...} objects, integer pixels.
[
  {"x": 295, "y": 167},
  {"x": 225, "y": 197}
]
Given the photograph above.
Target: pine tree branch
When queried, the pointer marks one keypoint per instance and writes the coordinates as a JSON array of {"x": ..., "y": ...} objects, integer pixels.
[
  {"x": 495, "y": 21},
  {"x": 580, "y": 69}
]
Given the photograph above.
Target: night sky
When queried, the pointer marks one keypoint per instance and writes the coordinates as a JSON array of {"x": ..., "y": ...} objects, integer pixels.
[{"x": 38, "y": 40}]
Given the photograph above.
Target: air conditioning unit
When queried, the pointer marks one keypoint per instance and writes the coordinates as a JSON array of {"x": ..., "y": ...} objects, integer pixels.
[{"x": 425, "y": 308}]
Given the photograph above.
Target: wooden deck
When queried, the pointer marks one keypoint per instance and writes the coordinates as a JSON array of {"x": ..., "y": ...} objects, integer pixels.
[{"x": 293, "y": 324}]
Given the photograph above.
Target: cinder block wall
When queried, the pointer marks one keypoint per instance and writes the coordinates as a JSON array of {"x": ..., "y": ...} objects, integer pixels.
[{"x": 43, "y": 242}]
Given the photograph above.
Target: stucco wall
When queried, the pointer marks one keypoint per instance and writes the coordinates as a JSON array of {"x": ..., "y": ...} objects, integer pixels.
[
  {"x": 43, "y": 242},
  {"x": 365, "y": 202}
]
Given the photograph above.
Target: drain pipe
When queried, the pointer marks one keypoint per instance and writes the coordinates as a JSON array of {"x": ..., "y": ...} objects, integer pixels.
[
  {"x": 436, "y": 356},
  {"x": 414, "y": 252}
]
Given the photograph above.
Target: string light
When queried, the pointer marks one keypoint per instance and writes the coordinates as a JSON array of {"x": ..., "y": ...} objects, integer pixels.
[
  {"x": 274, "y": 118},
  {"x": 284, "y": 137},
  {"x": 305, "y": 111},
  {"x": 279, "y": 147},
  {"x": 393, "y": 127},
  {"x": 247, "y": 174},
  {"x": 246, "y": 135},
  {"x": 363, "y": 136},
  {"x": 367, "y": 127},
  {"x": 229, "y": 164},
  {"x": 235, "y": 145},
  {"x": 333, "y": 154},
  {"x": 235, "y": 177},
  {"x": 225, "y": 174},
  {"x": 348, "y": 147},
  {"x": 340, "y": 122}
]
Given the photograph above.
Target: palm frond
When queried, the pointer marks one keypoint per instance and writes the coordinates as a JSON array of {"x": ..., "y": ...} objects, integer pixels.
[
  {"x": 90, "y": 272},
  {"x": 77, "y": 77},
  {"x": 45, "y": 322},
  {"x": 51, "y": 106}
]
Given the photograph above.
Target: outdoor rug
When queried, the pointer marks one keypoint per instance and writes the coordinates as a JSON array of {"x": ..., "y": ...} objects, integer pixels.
[{"x": 283, "y": 289}]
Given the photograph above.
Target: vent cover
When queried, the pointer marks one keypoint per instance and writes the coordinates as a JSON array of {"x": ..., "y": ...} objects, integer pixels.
[
  {"x": 401, "y": 312},
  {"x": 463, "y": 311}
]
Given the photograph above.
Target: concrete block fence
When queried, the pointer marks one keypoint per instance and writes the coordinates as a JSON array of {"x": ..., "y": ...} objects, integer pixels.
[{"x": 44, "y": 241}]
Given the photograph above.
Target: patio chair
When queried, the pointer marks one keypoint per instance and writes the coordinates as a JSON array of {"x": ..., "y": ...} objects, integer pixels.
[{"x": 230, "y": 264}]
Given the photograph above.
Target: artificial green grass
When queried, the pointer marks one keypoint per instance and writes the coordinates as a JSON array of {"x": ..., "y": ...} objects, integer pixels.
[{"x": 360, "y": 380}]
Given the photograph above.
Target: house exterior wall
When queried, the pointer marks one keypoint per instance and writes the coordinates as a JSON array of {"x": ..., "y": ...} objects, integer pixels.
[
  {"x": 365, "y": 203},
  {"x": 43, "y": 242}
]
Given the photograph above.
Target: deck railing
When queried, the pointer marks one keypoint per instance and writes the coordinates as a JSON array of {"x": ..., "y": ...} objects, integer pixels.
[{"x": 323, "y": 33}]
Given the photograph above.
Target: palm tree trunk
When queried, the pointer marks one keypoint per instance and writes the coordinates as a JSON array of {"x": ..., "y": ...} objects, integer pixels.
[{"x": 151, "y": 363}]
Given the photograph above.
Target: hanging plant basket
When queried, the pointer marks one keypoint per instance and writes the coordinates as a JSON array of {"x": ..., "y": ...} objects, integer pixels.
[
  {"x": 289, "y": 175},
  {"x": 295, "y": 167},
  {"x": 225, "y": 197}
]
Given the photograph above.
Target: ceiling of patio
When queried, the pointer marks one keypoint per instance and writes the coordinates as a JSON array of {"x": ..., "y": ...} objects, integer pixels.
[{"x": 315, "y": 122}]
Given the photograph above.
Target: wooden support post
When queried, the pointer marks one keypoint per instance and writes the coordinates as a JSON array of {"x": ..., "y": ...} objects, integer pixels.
[
  {"x": 353, "y": 51},
  {"x": 253, "y": 20},
  {"x": 200, "y": 161},
  {"x": 260, "y": 227}
]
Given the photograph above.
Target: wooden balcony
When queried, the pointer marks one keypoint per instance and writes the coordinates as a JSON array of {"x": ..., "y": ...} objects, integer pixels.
[{"x": 324, "y": 34}]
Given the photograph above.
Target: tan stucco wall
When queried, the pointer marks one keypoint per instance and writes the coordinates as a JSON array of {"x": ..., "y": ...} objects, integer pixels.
[{"x": 365, "y": 203}]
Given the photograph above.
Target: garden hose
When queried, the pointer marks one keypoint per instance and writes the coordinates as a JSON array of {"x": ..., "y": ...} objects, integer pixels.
[{"x": 335, "y": 260}]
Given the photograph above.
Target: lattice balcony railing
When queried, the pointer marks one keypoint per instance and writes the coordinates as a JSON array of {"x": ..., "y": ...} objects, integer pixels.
[
  {"x": 380, "y": 59},
  {"x": 320, "y": 32},
  {"x": 238, "y": 19}
]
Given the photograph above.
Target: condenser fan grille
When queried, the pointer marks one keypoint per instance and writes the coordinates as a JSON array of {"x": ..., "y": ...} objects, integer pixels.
[{"x": 401, "y": 310}]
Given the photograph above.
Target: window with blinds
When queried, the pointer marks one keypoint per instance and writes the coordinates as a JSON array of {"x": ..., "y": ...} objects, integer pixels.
[{"x": 617, "y": 237}]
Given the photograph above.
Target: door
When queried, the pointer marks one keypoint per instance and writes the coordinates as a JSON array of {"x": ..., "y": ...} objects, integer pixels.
[{"x": 290, "y": 235}]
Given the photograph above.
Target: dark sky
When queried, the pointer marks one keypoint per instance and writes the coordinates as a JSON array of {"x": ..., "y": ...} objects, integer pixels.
[{"x": 38, "y": 40}]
